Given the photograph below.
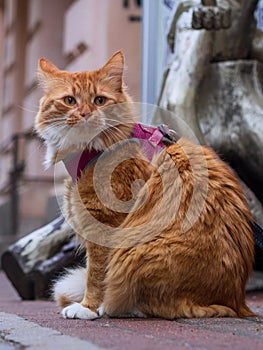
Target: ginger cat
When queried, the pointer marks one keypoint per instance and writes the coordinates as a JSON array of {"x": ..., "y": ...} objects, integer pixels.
[{"x": 150, "y": 260}]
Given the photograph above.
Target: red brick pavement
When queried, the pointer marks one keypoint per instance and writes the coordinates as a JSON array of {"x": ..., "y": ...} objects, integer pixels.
[{"x": 129, "y": 334}]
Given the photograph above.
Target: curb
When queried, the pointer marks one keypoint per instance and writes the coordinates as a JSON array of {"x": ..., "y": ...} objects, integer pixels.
[{"x": 18, "y": 333}]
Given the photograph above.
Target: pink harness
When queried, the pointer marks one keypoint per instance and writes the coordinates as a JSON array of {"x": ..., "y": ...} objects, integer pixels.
[{"x": 151, "y": 139}]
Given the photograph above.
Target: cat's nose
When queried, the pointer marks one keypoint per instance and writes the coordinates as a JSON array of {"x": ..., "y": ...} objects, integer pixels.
[
  {"x": 85, "y": 115},
  {"x": 85, "y": 112}
]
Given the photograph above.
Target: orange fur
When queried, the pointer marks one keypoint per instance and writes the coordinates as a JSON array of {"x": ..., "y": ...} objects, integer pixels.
[
  {"x": 198, "y": 273},
  {"x": 63, "y": 301},
  {"x": 151, "y": 264}
]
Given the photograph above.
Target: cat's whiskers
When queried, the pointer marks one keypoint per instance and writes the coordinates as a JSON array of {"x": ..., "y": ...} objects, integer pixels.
[
  {"x": 52, "y": 119},
  {"x": 57, "y": 123},
  {"x": 125, "y": 119},
  {"x": 52, "y": 122},
  {"x": 113, "y": 136},
  {"x": 110, "y": 138},
  {"x": 53, "y": 131},
  {"x": 110, "y": 127},
  {"x": 54, "y": 128},
  {"x": 114, "y": 133},
  {"x": 26, "y": 109}
]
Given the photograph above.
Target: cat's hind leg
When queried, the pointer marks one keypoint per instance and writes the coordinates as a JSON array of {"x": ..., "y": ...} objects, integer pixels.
[
  {"x": 122, "y": 307},
  {"x": 190, "y": 310},
  {"x": 186, "y": 309},
  {"x": 136, "y": 283}
]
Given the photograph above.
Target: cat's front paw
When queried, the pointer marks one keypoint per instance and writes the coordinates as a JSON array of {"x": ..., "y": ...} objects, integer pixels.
[{"x": 76, "y": 310}]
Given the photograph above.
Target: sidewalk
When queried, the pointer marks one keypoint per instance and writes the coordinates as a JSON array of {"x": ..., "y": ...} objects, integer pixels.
[{"x": 38, "y": 325}]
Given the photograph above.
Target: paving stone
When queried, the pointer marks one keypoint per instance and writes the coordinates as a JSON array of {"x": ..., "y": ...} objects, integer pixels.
[{"x": 32, "y": 336}]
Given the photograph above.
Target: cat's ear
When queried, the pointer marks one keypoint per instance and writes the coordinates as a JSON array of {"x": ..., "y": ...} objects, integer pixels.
[
  {"x": 45, "y": 73},
  {"x": 113, "y": 69},
  {"x": 46, "y": 66}
]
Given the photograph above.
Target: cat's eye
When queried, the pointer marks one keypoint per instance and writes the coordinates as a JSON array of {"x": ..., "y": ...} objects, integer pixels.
[
  {"x": 100, "y": 100},
  {"x": 70, "y": 101}
]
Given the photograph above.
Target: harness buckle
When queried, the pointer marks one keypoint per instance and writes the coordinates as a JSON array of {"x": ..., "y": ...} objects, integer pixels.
[{"x": 169, "y": 136}]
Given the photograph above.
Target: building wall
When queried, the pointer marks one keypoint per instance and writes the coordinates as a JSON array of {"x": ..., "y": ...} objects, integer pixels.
[{"x": 75, "y": 35}]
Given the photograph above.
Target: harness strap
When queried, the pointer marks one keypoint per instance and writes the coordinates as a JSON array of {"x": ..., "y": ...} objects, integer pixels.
[
  {"x": 152, "y": 140},
  {"x": 77, "y": 162}
]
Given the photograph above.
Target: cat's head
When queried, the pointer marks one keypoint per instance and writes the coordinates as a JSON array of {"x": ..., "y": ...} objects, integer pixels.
[{"x": 79, "y": 109}]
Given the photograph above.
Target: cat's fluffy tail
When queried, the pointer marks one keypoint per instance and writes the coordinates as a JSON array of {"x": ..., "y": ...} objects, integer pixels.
[{"x": 70, "y": 287}]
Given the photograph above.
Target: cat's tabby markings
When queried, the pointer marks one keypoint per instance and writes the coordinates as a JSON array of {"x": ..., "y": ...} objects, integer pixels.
[{"x": 163, "y": 272}]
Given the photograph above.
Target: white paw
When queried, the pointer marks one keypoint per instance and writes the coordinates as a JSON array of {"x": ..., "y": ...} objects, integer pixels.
[
  {"x": 76, "y": 310},
  {"x": 100, "y": 311}
]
